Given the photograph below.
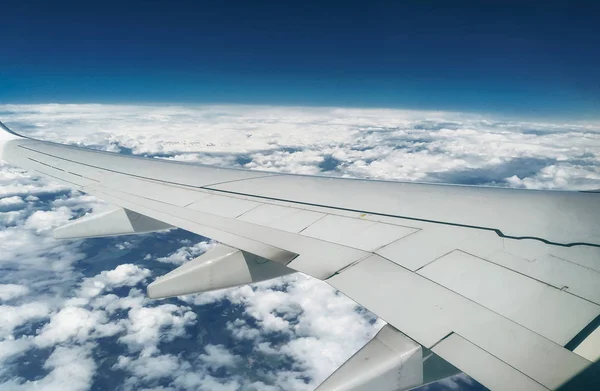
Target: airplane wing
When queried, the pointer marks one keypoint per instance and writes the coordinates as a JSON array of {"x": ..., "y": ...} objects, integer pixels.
[{"x": 503, "y": 284}]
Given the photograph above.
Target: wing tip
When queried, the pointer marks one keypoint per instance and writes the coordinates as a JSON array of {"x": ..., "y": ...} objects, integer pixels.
[{"x": 8, "y": 133}]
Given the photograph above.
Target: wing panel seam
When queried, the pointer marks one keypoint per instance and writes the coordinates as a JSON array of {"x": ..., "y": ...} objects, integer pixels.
[{"x": 141, "y": 176}]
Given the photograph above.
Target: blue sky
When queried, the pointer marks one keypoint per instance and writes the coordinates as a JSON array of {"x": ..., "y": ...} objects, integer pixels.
[{"x": 531, "y": 60}]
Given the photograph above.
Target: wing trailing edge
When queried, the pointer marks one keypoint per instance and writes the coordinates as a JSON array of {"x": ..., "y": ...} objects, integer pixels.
[{"x": 6, "y": 136}]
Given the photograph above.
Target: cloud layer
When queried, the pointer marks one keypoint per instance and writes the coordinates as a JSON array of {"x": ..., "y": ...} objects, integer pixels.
[
  {"x": 377, "y": 143},
  {"x": 74, "y": 313}
]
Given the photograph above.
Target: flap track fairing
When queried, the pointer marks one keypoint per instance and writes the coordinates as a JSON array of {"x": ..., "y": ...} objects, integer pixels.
[{"x": 115, "y": 222}]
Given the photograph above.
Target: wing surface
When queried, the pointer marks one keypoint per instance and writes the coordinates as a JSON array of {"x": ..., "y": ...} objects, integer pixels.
[{"x": 502, "y": 283}]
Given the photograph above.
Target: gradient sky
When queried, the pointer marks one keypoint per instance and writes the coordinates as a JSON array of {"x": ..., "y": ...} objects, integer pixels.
[{"x": 526, "y": 58}]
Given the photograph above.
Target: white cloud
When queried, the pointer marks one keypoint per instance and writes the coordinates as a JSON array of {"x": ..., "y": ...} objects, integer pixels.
[
  {"x": 18, "y": 182},
  {"x": 148, "y": 367},
  {"x": 187, "y": 253},
  {"x": 75, "y": 324},
  {"x": 13, "y": 201},
  {"x": 112, "y": 303},
  {"x": 71, "y": 369},
  {"x": 217, "y": 356},
  {"x": 45, "y": 220},
  {"x": 11, "y": 348},
  {"x": 390, "y": 144},
  {"x": 324, "y": 327},
  {"x": 124, "y": 275},
  {"x": 147, "y": 326},
  {"x": 11, "y": 218},
  {"x": 14, "y": 316},
  {"x": 11, "y": 291}
]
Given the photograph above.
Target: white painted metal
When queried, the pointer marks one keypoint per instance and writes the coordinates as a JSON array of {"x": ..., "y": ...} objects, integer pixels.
[
  {"x": 54, "y": 173},
  {"x": 362, "y": 234},
  {"x": 281, "y": 217},
  {"x": 171, "y": 171},
  {"x": 402, "y": 298},
  {"x": 22, "y": 153},
  {"x": 571, "y": 269},
  {"x": 6, "y": 135},
  {"x": 562, "y": 217},
  {"x": 482, "y": 244},
  {"x": 113, "y": 222},
  {"x": 389, "y": 362},
  {"x": 223, "y": 206},
  {"x": 487, "y": 369},
  {"x": 62, "y": 169},
  {"x": 428, "y": 312},
  {"x": 221, "y": 267},
  {"x": 420, "y": 248},
  {"x": 172, "y": 195},
  {"x": 317, "y": 258},
  {"x": 548, "y": 311},
  {"x": 586, "y": 256},
  {"x": 178, "y": 217},
  {"x": 560, "y": 273}
]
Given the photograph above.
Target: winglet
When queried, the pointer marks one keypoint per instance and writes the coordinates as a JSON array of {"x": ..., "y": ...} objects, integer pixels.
[{"x": 8, "y": 134}]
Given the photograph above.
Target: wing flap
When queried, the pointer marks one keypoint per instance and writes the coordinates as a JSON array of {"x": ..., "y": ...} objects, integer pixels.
[
  {"x": 487, "y": 369},
  {"x": 430, "y": 242},
  {"x": 551, "y": 312},
  {"x": 359, "y": 233},
  {"x": 428, "y": 312}
]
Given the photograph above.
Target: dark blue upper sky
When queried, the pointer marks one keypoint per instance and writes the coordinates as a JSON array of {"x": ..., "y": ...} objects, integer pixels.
[{"x": 523, "y": 58}]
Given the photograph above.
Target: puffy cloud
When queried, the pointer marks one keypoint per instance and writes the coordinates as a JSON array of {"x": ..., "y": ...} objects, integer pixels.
[
  {"x": 124, "y": 275},
  {"x": 10, "y": 202},
  {"x": 45, "y": 220},
  {"x": 147, "y": 326},
  {"x": 18, "y": 182},
  {"x": 75, "y": 324},
  {"x": 112, "y": 303},
  {"x": 11, "y": 291},
  {"x": 70, "y": 369},
  {"x": 187, "y": 253},
  {"x": 11, "y": 348},
  {"x": 217, "y": 356},
  {"x": 323, "y": 328},
  {"x": 148, "y": 367},
  {"x": 14, "y": 316}
]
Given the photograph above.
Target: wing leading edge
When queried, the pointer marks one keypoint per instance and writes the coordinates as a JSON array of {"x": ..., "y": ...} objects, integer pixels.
[{"x": 476, "y": 275}]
